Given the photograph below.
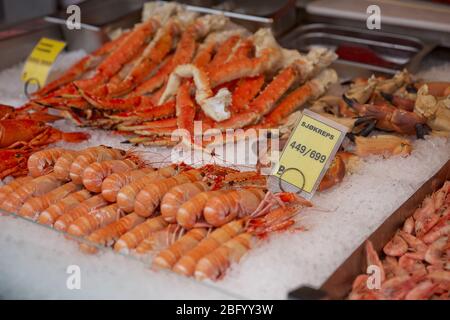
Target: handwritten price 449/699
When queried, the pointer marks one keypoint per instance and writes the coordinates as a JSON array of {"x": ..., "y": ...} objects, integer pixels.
[{"x": 305, "y": 151}]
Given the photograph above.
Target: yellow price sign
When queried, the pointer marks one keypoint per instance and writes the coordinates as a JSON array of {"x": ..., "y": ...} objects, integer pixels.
[
  {"x": 308, "y": 153},
  {"x": 40, "y": 61}
]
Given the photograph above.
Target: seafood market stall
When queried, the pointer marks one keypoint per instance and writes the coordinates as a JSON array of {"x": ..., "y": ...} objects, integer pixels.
[{"x": 100, "y": 199}]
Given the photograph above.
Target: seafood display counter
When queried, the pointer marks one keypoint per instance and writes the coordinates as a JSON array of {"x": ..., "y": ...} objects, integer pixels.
[{"x": 95, "y": 205}]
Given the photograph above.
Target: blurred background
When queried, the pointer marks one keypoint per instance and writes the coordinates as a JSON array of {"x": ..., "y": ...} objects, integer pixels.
[{"x": 413, "y": 33}]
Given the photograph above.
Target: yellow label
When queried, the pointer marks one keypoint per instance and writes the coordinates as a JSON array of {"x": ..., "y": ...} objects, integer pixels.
[
  {"x": 308, "y": 152},
  {"x": 41, "y": 59}
]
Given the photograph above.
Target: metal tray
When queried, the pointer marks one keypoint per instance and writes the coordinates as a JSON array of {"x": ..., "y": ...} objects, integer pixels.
[
  {"x": 96, "y": 27},
  {"x": 282, "y": 14},
  {"x": 121, "y": 14},
  {"x": 17, "y": 42},
  {"x": 339, "y": 284},
  {"x": 423, "y": 19},
  {"x": 389, "y": 52}
]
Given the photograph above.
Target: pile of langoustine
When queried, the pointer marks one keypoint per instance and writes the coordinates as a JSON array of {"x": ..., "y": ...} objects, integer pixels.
[
  {"x": 195, "y": 221},
  {"x": 176, "y": 68},
  {"x": 399, "y": 105},
  {"x": 24, "y": 131},
  {"x": 417, "y": 259}
]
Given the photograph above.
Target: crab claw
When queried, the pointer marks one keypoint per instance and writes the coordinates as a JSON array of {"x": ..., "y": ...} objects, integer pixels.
[
  {"x": 387, "y": 96},
  {"x": 350, "y": 102},
  {"x": 411, "y": 89}
]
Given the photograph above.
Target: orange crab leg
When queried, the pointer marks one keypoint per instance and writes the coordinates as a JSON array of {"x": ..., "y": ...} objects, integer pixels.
[
  {"x": 291, "y": 103},
  {"x": 116, "y": 103},
  {"x": 164, "y": 141},
  {"x": 150, "y": 59},
  {"x": 114, "y": 62},
  {"x": 156, "y": 131},
  {"x": 245, "y": 91},
  {"x": 238, "y": 120},
  {"x": 274, "y": 90},
  {"x": 224, "y": 51},
  {"x": 185, "y": 108},
  {"x": 163, "y": 123},
  {"x": 204, "y": 55},
  {"x": 183, "y": 54},
  {"x": 102, "y": 90},
  {"x": 244, "y": 50},
  {"x": 80, "y": 67},
  {"x": 237, "y": 69},
  {"x": 59, "y": 102},
  {"x": 152, "y": 113}
]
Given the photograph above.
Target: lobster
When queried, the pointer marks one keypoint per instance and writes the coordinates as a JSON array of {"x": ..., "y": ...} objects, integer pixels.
[{"x": 19, "y": 138}]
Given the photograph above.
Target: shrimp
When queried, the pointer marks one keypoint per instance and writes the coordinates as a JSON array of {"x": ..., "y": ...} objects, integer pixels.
[
  {"x": 417, "y": 247},
  {"x": 85, "y": 207},
  {"x": 63, "y": 163},
  {"x": 134, "y": 237},
  {"x": 422, "y": 291},
  {"x": 192, "y": 210},
  {"x": 127, "y": 195},
  {"x": 150, "y": 196},
  {"x": 409, "y": 224},
  {"x": 396, "y": 247},
  {"x": 34, "y": 188},
  {"x": 12, "y": 186},
  {"x": 90, "y": 155},
  {"x": 265, "y": 220},
  {"x": 186, "y": 264},
  {"x": 168, "y": 257},
  {"x": 35, "y": 205},
  {"x": 436, "y": 253},
  {"x": 178, "y": 195},
  {"x": 56, "y": 210},
  {"x": 109, "y": 234},
  {"x": 214, "y": 264},
  {"x": 42, "y": 162},
  {"x": 231, "y": 204},
  {"x": 373, "y": 259},
  {"x": 160, "y": 239},
  {"x": 442, "y": 228},
  {"x": 113, "y": 183},
  {"x": 96, "y": 172},
  {"x": 91, "y": 221}
]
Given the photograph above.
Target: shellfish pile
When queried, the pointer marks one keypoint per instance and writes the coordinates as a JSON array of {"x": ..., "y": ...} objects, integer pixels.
[
  {"x": 177, "y": 67},
  {"x": 416, "y": 264},
  {"x": 195, "y": 221}
]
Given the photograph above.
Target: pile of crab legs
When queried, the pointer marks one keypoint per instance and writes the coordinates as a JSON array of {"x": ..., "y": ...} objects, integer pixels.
[
  {"x": 194, "y": 221},
  {"x": 176, "y": 68},
  {"x": 417, "y": 259},
  {"x": 397, "y": 105}
]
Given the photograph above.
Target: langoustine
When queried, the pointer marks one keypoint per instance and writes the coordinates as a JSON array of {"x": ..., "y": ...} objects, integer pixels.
[
  {"x": 96, "y": 172},
  {"x": 42, "y": 162},
  {"x": 114, "y": 182},
  {"x": 56, "y": 210},
  {"x": 36, "y": 187},
  {"x": 34, "y": 206},
  {"x": 127, "y": 194},
  {"x": 81, "y": 209},
  {"x": 150, "y": 196},
  {"x": 93, "y": 220},
  {"x": 91, "y": 155}
]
